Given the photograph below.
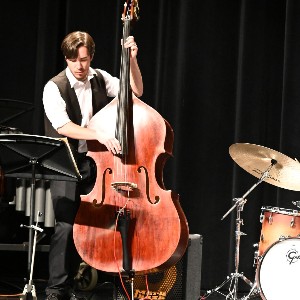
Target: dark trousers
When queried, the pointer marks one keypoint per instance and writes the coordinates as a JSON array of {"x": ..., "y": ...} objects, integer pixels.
[{"x": 63, "y": 257}]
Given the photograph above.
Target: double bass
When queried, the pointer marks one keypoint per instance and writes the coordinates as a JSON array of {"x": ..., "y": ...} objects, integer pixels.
[{"x": 129, "y": 223}]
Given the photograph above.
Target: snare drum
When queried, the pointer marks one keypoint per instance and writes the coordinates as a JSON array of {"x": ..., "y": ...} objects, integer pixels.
[
  {"x": 278, "y": 271},
  {"x": 277, "y": 223}
]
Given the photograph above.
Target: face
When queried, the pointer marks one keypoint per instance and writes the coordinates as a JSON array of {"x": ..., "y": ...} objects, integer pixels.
[{"x": 80, "y": 66}]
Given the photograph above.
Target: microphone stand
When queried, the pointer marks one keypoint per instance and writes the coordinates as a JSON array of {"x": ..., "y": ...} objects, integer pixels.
[{"x": 233, "y": 278}]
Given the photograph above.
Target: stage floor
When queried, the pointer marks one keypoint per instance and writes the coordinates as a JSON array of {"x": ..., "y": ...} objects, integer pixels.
[
  {"x": 14, "y": 270},
  {"x": 10, "y": 287}
]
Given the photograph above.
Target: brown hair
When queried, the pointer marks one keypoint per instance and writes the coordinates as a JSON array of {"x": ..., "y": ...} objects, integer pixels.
[{"x": 74, "y": 40}]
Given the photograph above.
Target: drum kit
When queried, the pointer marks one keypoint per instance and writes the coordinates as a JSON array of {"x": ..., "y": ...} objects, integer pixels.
[{"x": 277, "y": 259}]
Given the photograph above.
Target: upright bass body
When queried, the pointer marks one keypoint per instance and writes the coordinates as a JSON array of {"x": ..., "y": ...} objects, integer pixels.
[{"x": 156, "y": 230}]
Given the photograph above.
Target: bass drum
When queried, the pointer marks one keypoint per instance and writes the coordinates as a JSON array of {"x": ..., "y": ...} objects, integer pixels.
[{"x": 278, "y": 271}]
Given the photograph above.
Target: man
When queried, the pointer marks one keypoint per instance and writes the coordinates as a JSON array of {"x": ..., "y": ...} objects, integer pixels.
[{"x": 70, "y": 100}]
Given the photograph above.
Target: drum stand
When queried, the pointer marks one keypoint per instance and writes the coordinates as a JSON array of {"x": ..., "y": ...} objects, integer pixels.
[{"x": 234, "y": 277}]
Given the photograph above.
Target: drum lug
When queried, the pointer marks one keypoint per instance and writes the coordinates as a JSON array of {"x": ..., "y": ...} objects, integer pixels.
[
  {"x": 270, "y": 219},
  {"x": 261, "y": 218},
  {"x": 256, "y": 256},
  {"x": 282, "y": 238},
  {"x": 292, "y": 224}
]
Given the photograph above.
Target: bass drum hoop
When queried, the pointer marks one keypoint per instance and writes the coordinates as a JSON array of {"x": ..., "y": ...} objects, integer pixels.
[{"x": 260, "y": 264}]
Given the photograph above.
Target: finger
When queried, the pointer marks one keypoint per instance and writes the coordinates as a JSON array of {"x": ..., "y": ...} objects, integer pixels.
[
  {"x": 110, "y": 146},
  {"x": 116, "y": 147},
  {"x": 130, "y": 39}
]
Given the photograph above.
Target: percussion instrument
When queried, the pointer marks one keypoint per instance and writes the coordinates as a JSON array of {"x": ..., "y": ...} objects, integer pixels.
[
  {"x": 279, "y": 245},
  {"x": 43, "y": 200},
  {"x": 279, "y": 270},
  {"x": 277, "y": 223},
  {"x": 284, "y": 173}
]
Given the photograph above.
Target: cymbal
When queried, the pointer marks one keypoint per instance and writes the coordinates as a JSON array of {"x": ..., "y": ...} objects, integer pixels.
[{"x": 255, "y": 159}]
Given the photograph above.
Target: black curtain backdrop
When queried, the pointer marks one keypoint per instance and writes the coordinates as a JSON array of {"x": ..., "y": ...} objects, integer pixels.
[{"x": 221, "y": 72}]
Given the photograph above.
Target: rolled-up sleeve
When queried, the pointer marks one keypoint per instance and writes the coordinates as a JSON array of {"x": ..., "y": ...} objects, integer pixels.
[
  {"x": 54, "y": 106},
  {"x": 112, "y": 83}
]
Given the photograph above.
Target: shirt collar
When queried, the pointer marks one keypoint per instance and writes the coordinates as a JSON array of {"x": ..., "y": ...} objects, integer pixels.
[{"x": 73, "y": 80}]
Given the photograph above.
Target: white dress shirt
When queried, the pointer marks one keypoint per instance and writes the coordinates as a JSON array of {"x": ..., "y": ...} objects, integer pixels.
[{"x": 55, "y": 106}]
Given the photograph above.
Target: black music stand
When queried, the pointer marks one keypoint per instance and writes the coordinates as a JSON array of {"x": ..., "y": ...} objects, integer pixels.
[
  {"x": 36, "y": 157},
  {"x": 13, "y": 109}
]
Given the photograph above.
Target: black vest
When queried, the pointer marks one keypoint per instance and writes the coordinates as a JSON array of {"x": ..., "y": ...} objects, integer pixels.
[{"x": 99, "y": 99}]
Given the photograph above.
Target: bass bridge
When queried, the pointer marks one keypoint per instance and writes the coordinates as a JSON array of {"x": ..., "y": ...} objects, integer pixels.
[{"x": 123, "y": 186}]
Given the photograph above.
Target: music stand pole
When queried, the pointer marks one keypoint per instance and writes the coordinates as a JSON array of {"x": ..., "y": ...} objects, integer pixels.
[
  {"x": 30, "y": 287},
  {"x": 31, "y": 217}
]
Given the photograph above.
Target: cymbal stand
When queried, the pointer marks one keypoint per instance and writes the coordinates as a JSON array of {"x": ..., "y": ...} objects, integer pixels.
[
  {"x": 233, "y": 278},
  {"x": 29, "y": 287}
]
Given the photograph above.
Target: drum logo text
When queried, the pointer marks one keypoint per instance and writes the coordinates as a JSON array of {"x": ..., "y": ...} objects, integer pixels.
[{"x": 292, "y": 256}]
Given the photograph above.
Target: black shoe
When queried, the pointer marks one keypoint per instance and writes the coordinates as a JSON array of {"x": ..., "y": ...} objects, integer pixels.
[
  {"x": 74, "y": 297},
  {"x": 54, "y": 296}
]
